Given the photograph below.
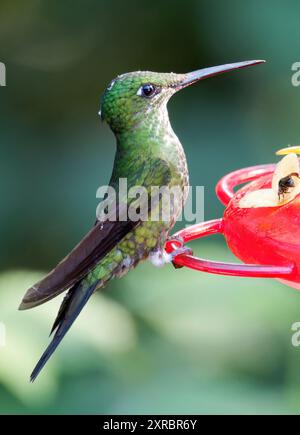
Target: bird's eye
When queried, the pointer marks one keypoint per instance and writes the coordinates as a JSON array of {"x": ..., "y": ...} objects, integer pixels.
[{"x": 148, "y": 90}]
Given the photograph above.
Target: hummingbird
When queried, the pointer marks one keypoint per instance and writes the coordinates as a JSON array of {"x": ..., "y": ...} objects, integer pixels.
[{"x": 148, "y": 153}]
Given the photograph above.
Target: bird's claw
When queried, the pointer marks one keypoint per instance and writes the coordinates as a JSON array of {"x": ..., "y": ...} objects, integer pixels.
[
  {"x": 174, "y": 246},
  {"x": 183, "y": 250}
]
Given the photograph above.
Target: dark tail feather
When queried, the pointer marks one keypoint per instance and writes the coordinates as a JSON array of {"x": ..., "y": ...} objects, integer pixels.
[{"x": 70, "y": 308}]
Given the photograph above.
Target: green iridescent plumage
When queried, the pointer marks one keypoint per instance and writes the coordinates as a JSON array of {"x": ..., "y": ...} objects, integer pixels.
[{"x": 148, "y": 154}]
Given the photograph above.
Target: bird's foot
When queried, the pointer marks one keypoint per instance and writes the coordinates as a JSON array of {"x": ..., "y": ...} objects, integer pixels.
[
  {"x": 160, "y": 257},
  {"x": 174, "y": 247},
  {"x": 184, "y": 250}
]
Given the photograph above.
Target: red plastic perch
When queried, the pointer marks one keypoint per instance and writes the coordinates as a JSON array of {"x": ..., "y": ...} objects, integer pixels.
[{"x": 225, "y": 192}]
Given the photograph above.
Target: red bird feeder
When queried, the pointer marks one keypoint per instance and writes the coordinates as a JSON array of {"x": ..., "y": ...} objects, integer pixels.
[{"x": 261, "y": 224}]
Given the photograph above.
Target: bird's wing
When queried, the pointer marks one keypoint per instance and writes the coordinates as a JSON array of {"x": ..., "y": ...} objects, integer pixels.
[{"x": 92, "y": 248}]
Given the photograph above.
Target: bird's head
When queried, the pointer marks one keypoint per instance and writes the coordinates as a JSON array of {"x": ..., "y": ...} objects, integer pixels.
[{"x": 131, "y": 97}]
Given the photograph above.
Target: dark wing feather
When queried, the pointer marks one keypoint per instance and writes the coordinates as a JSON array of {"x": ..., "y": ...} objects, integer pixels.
[
  {"x": 92, "y": 248},
  {"x": 103, "y": 237}
]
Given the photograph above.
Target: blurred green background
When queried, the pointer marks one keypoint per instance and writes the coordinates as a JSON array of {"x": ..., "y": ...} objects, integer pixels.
[{"x": 159, "y": 340}]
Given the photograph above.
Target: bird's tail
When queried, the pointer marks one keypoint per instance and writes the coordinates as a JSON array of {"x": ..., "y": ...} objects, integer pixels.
[{"x": 71, "y": 307}]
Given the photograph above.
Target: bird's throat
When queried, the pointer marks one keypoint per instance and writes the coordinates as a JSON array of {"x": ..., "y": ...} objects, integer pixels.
[{"x": 152, "y": 136}]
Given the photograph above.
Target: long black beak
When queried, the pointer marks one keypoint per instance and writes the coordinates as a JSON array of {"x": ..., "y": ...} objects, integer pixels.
[{"x": 204, "y": 73}]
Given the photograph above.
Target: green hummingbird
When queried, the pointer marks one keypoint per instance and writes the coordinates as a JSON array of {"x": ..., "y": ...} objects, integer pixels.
[{"x": 148, "y": 153}]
